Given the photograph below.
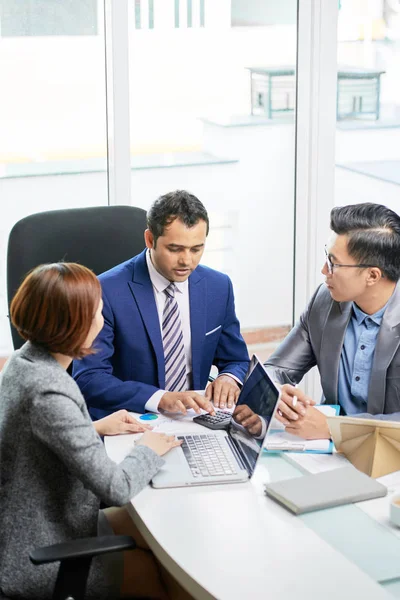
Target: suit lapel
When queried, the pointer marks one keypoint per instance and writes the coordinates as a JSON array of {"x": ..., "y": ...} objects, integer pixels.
[
  {"x": 386, "y": 345},
  {"x": 331, "y": 348},
  {"x": 198, "y": 314},
  {"x": 142, "y": 290}
]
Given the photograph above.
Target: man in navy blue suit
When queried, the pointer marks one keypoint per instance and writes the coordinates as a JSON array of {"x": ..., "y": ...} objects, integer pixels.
[{"x": 167, "y": 320}]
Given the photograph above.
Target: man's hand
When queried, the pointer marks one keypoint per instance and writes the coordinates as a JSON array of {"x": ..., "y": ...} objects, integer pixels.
[
  {"x": 292, "y": 404},
  {"x": 119, "y": 422},
  {"x": 223, "y": 391},
  {"x": 181, "y": 401},
  {"x": 312, "y": 426},
  {"x": 243, "y": 415}
]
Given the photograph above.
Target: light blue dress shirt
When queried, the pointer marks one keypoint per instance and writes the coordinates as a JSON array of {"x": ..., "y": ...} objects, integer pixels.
[{"x": 356, "y": 360}]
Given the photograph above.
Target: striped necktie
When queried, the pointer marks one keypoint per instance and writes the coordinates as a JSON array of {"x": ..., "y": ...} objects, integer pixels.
[{"x": 174, "y": 349}]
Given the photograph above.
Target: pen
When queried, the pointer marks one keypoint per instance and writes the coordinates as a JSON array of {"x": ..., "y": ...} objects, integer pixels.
[
  {"x": 294, "y": 399},
  {"x": 294, "y": 402}
]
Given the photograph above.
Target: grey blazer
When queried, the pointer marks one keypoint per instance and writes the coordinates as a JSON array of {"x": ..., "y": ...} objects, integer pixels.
[
  {"x": 317, "y": 339},
  {"x": 53, "y": 472}
]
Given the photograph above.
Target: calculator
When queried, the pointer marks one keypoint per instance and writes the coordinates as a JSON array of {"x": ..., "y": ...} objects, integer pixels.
[{"x": 220, "y": 420}]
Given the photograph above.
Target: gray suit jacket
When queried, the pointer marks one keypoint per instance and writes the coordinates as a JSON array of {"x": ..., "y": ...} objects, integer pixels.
[
  {"x": 317, "y": 339},
  {"x": 53, "y": 472}
]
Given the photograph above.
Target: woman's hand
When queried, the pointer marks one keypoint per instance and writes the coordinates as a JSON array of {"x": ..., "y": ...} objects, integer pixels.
[
  {"x": 161, "y": 443},
  {"x": 119, "y": 422}
]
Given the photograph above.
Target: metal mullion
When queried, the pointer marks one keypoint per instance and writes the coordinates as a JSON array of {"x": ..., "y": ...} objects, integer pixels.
[
  {"x": 116, "y": 23},
  {"x": 316, "y": 84}
]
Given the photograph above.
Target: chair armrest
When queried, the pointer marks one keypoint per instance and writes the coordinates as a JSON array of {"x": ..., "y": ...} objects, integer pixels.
[{"x": 82, "y": 548}]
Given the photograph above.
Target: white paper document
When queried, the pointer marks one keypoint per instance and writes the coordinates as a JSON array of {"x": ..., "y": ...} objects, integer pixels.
[
  {"x": 170, "y": 422},
  {"x": 120, "y": 445},
  {"x": 287, "y": 441}
]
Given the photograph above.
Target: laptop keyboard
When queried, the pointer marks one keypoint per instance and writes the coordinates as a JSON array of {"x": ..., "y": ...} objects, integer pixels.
[{"x": 207, "y": 455}]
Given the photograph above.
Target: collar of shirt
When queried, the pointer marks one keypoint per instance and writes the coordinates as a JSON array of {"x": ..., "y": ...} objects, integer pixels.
[
  {"x": 360, "y": 315},
  {"x": 159, "y": 282}
]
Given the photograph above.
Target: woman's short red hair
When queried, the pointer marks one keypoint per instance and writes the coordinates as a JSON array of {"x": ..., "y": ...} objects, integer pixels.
[{"x": 55, "y": 305}]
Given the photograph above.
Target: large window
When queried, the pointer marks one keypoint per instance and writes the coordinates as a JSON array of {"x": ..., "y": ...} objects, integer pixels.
[
  {"x": 211, "y": 109},
  {"x": 46, "y": 17},
  {"x": 368, "y": 125},
  {"x": 52, "y": 114},
  {"x": 212, "y": 92}
]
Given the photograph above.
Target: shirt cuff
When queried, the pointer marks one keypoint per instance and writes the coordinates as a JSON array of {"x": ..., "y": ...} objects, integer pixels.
[
  {"x": 263, "y": 428},
  {"x": 233, "y": 377},
  {"x": 154, "y": 400}
]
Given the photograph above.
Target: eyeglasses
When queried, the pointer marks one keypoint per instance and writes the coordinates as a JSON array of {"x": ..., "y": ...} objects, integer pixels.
[{"x": 332, "y": 265}]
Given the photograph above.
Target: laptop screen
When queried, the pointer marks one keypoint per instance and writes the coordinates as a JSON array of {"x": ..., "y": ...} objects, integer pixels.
[{"x": 257, "y": 401}]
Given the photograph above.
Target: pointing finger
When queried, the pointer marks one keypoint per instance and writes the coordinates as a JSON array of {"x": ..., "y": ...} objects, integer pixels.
[
  {"x": 203, "y": 403},
  {"x": 190, "y": 403}
]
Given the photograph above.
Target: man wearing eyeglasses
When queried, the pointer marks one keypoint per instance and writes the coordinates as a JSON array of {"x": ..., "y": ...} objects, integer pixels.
[{"x": 351, "y": 327}]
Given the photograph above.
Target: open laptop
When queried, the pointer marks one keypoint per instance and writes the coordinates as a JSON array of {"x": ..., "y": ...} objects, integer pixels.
[{"x": 223, "y": 456}]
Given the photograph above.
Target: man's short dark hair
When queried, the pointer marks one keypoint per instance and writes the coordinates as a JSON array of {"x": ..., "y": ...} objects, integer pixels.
[
  {"x": 175, "y": 205},
  {"x": 373, "y": 232}
]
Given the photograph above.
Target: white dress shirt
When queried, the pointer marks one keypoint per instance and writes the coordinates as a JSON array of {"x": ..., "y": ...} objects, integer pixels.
[{"x": 160, "y": 283}]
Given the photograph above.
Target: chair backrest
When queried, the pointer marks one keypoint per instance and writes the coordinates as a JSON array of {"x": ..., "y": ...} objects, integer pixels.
[{"x": 98, "y": 237}]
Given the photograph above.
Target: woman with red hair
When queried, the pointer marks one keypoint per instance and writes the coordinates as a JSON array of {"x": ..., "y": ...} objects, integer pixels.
[{"x": 54, "y": 468}]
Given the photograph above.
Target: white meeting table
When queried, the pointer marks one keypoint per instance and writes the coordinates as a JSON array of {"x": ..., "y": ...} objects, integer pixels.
[{"x": 231, "y": 542}]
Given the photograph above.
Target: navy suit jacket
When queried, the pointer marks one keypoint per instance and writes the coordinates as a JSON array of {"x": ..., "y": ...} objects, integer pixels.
[{"x": 128, "y": 366}]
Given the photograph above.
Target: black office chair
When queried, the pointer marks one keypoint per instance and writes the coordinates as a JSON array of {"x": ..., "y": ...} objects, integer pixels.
[
  {"x": 75, "y": 558},
  {"x": 99, "y": 238}
]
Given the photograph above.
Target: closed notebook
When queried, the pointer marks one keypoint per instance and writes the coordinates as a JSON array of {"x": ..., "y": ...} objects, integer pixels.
[{"x": 324, "y": 490}]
